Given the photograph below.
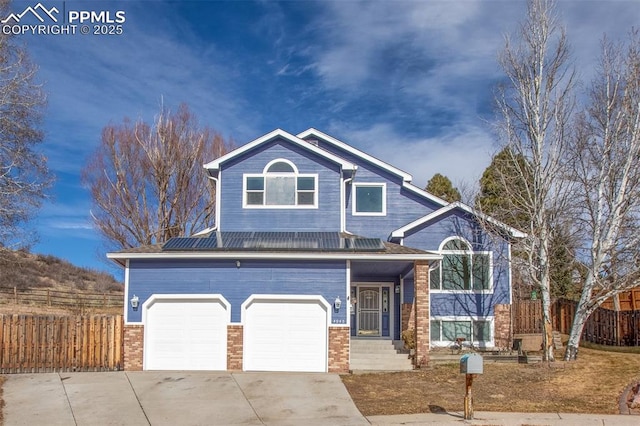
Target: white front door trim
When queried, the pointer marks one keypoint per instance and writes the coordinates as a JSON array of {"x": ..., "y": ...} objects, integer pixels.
[{"x": 366, "y": 284}]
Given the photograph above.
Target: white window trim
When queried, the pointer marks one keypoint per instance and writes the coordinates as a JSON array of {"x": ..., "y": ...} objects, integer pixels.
[
  {"x": 354, "y": 212},
  {"x": 279, "y": 160},
  {"x": 446, "y": 343},
  {"x": 470, "y": 252},
  {"x": 264, "y": 174}
]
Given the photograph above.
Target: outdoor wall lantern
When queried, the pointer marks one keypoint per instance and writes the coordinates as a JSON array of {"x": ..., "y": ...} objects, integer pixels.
[
  {"x": 135, "y": 300},
  {"x": 397, "y": 289},
  {"x": 238, "y": 264},
  {"x": 337, "y": 303}
]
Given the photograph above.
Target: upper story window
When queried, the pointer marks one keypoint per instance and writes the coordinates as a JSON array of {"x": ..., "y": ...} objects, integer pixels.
[
  {"x": 280, "y": 186},
  {"x": 461, "y": 268},
  {"x": 369, "y": 199}
]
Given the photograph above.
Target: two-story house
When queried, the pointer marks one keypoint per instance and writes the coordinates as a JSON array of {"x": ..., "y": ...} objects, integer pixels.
[{"x": 315, "y": 243}]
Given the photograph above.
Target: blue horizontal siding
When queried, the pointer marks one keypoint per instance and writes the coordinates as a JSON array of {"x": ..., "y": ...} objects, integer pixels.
[
  {"x": 403, "y": 206},
  {"x": 457, "y": 223},
  {"x": 328, "y": 279},
  {"x": 233, "y": 217}
]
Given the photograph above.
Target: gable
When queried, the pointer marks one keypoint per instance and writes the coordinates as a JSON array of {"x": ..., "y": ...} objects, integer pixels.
[
  {"x": 280, "y": 186},
  {"x": 216, "y": 165},
  {"x": 460, "y": 210}
]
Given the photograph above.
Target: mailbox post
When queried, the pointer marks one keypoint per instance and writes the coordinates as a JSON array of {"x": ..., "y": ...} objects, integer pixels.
[{"x": 470, "y": 365}]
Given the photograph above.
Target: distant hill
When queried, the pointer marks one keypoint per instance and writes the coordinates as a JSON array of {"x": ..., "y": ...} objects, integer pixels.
[
  {"x": 26, "y": 270},
  {"x": 36, "y": 280}
]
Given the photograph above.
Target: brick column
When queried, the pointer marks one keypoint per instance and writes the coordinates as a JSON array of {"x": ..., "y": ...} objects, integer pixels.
[
  {"x": 502, "y": 325},
  {"x": 408, "y": 316},
  {"x": 339, "y": 349},
  {"x": 234, "y": 347},
  {"x": 133, "y": 347},
  {"x": 421, "y": 285}
]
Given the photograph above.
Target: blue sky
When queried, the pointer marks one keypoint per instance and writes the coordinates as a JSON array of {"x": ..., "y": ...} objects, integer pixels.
[{"x": 407, "y": 81}]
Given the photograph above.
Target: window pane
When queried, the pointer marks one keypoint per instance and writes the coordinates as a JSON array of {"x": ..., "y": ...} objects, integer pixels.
[
  {"x": 305, "y": 198},
  {"x": 455, "y": 245},
  {"x": 435, "y": 331},
  {"x": 281, "y": 191},
  {"x": 306, "y": 184},
  {"x": 255, "y": 183},
  {"x": 481, "y": 331},
  {"x": 481, "y": 272},
  {"x": 455, "y": 272},
  {"x": 280, "y": 167},
  {"x": 255, "y": 198},
  {"x": 434, "y": 279},
  {"x": 451, "y": 330},
  {"x": 369, "y": 199}
]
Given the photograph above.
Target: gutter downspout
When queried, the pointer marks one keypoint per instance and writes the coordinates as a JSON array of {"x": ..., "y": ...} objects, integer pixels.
[
  {"x": 343, "y": 200},
  {"x": 217, "y": 213}
]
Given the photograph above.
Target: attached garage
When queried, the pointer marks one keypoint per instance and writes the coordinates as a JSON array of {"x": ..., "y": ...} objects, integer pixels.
[
  {"x": 285, "y": 333},
  {"x": 185, "y": 332}
]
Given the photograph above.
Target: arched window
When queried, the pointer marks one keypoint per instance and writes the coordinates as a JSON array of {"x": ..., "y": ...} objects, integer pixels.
[
  {"x": 461, "y": 268},
  {"x": 280, "y": 185}
]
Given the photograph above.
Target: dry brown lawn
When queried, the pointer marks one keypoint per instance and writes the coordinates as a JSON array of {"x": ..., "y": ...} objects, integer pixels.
[{"x": 592, "y": 384}]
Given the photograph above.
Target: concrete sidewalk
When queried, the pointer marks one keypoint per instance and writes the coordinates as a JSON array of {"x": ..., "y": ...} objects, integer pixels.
[{"x": 506, "y": 419}]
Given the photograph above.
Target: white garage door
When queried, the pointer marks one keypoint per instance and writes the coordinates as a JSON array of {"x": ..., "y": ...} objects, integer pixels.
[
  {"x": 285, "y": 335},
  {"x": 185, "y": 334}
]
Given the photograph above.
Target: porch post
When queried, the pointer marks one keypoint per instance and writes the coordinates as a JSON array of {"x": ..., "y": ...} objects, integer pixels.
[{"x": 421, "y": 317}]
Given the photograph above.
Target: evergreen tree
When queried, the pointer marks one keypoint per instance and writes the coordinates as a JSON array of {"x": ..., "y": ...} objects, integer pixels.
[{"x": 441, "y": 186}]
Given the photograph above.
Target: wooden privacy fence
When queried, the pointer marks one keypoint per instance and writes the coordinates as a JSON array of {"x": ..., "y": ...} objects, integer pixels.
[
  {"x": 527, "y": 316},
  {"x": 39, "y": 343},
  {"x": 604, "y": 326},
  {"x": 61, "y": 298}
]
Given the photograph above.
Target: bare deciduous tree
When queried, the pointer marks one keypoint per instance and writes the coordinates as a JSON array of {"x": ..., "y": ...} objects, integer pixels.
[
  {"x": 535, "y": 106},
  {"x": 605, "y": 166},
  {"x": 147, "y": 181},
  {"x": 24, "y": 176}
]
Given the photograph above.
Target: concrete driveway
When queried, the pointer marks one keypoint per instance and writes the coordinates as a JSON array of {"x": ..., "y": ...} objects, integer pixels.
[{"x": 172, "y": 398}]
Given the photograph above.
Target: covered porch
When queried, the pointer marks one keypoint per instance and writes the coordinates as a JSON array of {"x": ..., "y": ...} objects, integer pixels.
[{"x": 387, "y": 298}]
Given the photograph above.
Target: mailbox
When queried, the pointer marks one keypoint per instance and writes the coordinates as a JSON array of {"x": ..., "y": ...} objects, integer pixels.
[{"x": 471, "y": 364}]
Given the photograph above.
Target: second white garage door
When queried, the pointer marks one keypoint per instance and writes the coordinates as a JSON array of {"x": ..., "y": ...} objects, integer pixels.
[
  {"x": 185, "y": 333},
  {"x": 285, "y": 334}
]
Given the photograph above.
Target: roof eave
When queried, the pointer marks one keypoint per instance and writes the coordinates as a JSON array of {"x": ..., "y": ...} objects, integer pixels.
[
  {"x": 406, "y": 177},
  {"x": 274, "y": 256},
  {"x": 214, "y": 166},
  {"x": 400, "y": 232}
]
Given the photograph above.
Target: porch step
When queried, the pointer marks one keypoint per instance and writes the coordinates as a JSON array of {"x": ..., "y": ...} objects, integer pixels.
[
  {"x": 378, "y": 355},
  {"x": 557, "y": 340}
]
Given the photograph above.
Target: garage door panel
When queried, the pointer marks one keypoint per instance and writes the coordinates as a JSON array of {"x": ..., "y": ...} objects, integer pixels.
[
  {"x": 186, "y": 335},
  {"x": 288, "y": 335}
]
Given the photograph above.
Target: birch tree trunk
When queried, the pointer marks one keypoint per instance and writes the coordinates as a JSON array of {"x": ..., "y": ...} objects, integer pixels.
[
  {"x": 606, "y": 155},
  {"x": 536, "y": 106}
]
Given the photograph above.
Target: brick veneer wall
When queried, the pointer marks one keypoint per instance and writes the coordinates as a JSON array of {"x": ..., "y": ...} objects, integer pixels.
[
  {"x": 234, "y": 347},
  {"x": 339, "y": 349},
  {"x": 408, "y": 317},
  {"x": 422, "y": 325},
  {"x": 502, "y": 325},
  {"x": 133, "y": 347}
]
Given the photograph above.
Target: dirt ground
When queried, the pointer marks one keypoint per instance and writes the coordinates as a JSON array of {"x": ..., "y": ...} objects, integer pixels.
[
  {"x": 11, "y": 309},
  {"x": 592, "y": 384}
]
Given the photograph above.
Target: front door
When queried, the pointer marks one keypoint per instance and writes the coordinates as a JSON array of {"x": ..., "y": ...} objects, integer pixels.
[{"x": 368, "y": 311}]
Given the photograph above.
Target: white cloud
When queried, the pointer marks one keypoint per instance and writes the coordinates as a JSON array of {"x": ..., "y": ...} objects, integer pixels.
[{"x": 461, "y": 153}]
